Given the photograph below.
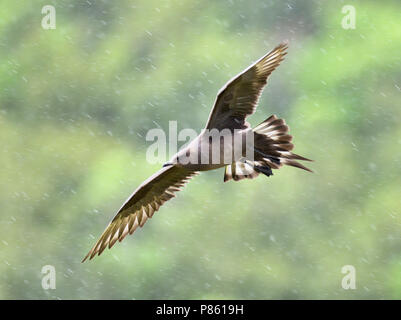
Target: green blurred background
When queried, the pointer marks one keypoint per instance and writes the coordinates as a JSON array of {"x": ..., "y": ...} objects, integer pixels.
[{"x": 76, "y": 104}]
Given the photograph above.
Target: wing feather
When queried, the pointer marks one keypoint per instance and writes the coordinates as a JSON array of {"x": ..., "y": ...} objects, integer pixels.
[
  {"x": 141, "y": 205},
  {"x": 240, "y": 96}
]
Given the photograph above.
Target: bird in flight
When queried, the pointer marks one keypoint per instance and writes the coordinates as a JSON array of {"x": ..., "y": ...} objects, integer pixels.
[{"x": 267, "y": 146}]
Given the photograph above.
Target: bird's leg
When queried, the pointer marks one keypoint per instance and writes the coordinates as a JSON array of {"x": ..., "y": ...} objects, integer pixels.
[{"x": 266, "y": 170}]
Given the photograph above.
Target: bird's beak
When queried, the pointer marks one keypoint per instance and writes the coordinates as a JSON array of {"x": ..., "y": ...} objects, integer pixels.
[{"x": 167, "y": 164}]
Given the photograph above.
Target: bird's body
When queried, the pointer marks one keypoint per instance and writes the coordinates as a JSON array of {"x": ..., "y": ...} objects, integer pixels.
[
  {"x": 227, "y": 141},
  {"x": 213, "y": 149}
]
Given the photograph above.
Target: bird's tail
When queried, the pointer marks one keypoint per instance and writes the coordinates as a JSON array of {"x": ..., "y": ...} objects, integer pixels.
[{"x": 272, "y": 149}]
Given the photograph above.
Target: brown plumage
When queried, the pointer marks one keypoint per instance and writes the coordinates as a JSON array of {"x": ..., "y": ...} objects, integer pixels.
[
  {"x": 235, "y": 101},
  {"x": 272, "y": 149},
  {"x": 141, "y": 205},
  {"x": 239, "y": 97}
]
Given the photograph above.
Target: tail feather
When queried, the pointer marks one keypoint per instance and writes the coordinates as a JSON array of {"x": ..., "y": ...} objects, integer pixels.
[
  {"x": 272, "y": 139},
  {"x": 290, "y": 155},
  {"x": 272, "y": 146},
  {"x": 296, "y": 164}
]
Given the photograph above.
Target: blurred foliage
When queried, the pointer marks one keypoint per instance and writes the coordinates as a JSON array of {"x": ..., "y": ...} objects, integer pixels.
[{"x": 77, "y": 102}]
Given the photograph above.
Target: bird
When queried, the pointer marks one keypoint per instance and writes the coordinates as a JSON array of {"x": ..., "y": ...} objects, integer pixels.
[{"x": 270, "y": 148}]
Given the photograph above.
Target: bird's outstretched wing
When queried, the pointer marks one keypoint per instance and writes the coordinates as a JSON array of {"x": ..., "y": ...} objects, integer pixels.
[
  {"x": 141, "y": 205},
  {"x": 239, "y": 97}
]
